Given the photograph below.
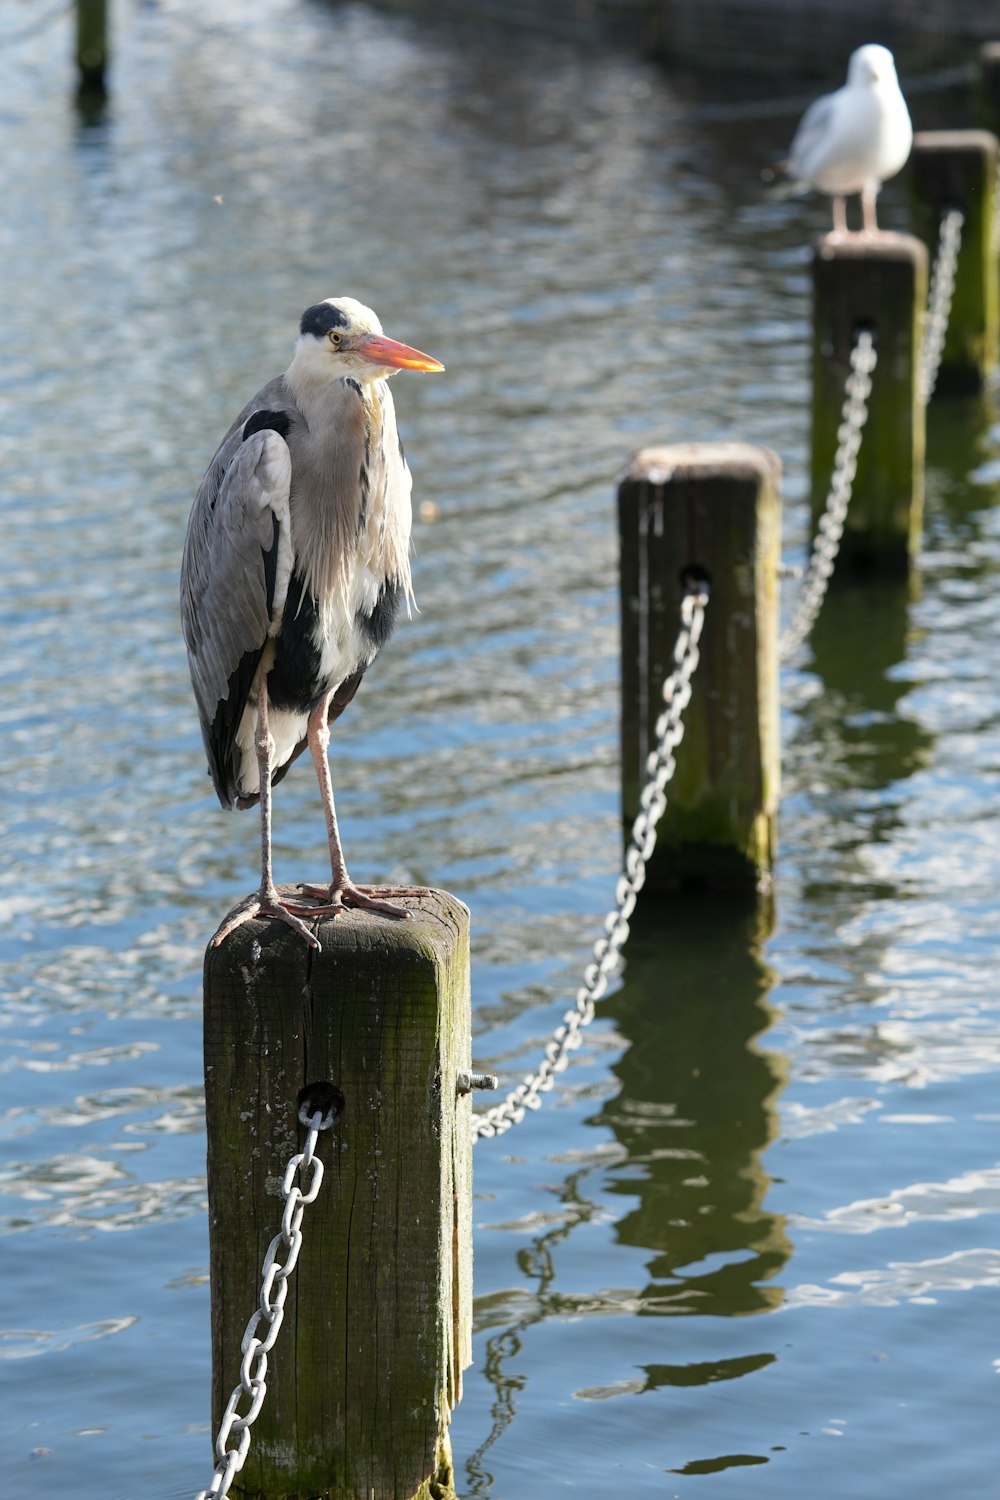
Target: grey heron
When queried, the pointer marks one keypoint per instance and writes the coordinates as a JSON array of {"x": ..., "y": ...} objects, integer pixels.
[
  {"x": 851, "y": 141},
  {"x": 295, "y": 566}
]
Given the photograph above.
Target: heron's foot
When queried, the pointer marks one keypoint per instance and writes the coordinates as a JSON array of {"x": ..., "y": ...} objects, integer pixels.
[
  {"x": 330, "y": 900},
  {"x": 265, "y": 903}
]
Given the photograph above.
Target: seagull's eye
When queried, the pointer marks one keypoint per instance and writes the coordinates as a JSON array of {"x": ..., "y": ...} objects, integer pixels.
[{"x": 336, "y": 337}]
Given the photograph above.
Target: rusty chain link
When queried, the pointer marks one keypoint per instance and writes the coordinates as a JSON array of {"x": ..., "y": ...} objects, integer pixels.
[{"x": 669, "y": 732}]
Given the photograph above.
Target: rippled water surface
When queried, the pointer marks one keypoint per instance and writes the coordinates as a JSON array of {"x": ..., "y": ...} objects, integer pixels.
[{"x": 750, "y": 1248}]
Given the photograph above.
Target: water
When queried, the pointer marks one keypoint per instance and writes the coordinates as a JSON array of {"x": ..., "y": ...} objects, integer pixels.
[{"x": 749, "y": 1248}]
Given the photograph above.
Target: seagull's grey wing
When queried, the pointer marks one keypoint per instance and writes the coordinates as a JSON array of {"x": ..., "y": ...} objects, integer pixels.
[
  {"x": 234, "y": 579},
  {"x": 812, "y": 137}
]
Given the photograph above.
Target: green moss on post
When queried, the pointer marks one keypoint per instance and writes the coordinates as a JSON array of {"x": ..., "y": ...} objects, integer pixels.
[
  {"x": 877, "y": 283},
  {"x": 958, "y": 169},
  {"x": 714, "y": 508},
  {"x": 368, "y": 1363},
  {"x": 92, "y": 44}
]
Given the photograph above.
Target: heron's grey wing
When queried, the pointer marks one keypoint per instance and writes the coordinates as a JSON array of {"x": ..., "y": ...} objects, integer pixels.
[
  {"x": 234, "y": 580},
  {"x": 811, "y": 139}
]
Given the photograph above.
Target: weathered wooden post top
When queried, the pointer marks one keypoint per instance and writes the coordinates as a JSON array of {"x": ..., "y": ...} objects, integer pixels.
[
  {"x": 713, "y": 511},
  {"x": 957, "y": 169},
  {"x": 368, "y": 1365},
  {"x": 876, "y": 283}
]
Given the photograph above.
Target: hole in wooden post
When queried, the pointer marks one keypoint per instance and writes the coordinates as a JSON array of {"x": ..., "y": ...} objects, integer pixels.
[
  {"x": 692, "y": 574},
  {"x": 323, "y": 1099}
]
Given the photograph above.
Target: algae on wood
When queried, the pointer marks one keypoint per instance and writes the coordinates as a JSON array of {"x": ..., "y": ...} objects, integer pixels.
[
  {"x": 368, "y": 1364},
  {"x": 958, "y": 169},
  {"x": 879, "y": 284}
]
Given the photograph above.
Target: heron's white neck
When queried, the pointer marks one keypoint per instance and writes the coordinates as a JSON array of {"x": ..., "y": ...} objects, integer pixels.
[{"x": 317, "y": 379}]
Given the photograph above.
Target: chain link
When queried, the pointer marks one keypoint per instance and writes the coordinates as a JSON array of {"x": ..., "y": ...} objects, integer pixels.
[
  {"x": 939, "y": 299},
  {"x": 271, "y": 1311},
  {"x": 826, "y": 544},
  {"x": 660, "y": 765}
]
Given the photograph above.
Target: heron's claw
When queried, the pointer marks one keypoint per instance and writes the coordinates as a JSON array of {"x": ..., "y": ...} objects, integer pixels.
[
  {"x": 265, "y": 903},
  {"x": 329, "y": 901}
]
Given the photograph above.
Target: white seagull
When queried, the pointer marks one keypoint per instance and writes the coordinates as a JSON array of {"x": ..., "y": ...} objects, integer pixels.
[{"x": 851, "y": 141}]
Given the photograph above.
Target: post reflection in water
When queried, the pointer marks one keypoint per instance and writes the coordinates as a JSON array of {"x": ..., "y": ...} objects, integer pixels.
[
  {"x": 854, "y": 728},
  {"x": 696, "y": 1110}
]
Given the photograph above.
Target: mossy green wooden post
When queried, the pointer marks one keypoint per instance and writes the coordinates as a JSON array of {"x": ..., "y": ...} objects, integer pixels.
[
  {"x": 92, "y": 44},
  {"x": 988, "y": 87},
  {"x": 878, "y": 283},
  {"x": 713, "y": 509},
  {"x": 368, "y": 1364},
  {"x": 958, "y": 169}
]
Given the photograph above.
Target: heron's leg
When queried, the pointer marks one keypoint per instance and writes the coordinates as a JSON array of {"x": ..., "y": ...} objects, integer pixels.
[
  {"x": 265, "y": 902},
  {"x": 340, "y": 892},
  {"x": 869, "y": 218},
  {"x": 839, "y": 214}
]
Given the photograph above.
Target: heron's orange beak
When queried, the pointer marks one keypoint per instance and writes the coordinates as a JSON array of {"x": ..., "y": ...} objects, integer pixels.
[{"x": 383, "y": 351}]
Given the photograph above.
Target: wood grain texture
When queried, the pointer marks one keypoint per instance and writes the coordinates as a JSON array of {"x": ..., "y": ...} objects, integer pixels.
[
  {"x": 958, "y": 169},
  {"x": 877, "y": 284},
  {"x": 714, "y": 507},
  {"x": 368, "y": 1364}
]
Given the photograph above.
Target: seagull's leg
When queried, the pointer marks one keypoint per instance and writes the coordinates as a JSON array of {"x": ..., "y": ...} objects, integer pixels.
[
  {"x": 265, "y": 902},
  {"x": 839, "y": 214},
  {"x": 869, "y": 193},
  {"x": 341, "y": 892}
]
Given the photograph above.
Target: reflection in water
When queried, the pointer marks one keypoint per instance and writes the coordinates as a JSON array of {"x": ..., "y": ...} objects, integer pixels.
[
  {"x": 855, "y": 725},
  {"x": 696, "y": 1110},
  {"x": 537, "y": 1262}
]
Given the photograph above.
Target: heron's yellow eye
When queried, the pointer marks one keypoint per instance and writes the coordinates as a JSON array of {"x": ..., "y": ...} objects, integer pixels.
[{"x": 336, "y": 337}]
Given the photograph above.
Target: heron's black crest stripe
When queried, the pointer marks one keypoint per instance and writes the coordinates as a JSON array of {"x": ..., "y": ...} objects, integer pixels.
[
  {"x": 319, "y": 319},
  {"x": 378, "y": 626},
  {"x": 295, "y": 681},
  {"x": 261, "y": 421}
]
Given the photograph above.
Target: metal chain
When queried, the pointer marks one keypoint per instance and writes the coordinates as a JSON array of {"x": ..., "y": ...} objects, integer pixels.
[
  {"x": 826, "y": 544},
  {"x": 273, "y": 1293},
  {"x": 942, "y": 290},
  {"x": 660, "y": 765}
]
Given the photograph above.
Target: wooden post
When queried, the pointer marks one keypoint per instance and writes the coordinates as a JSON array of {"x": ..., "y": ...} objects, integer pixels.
[
  {"x": 988, "y": 87},
  {"x": 92, "y": 44},
  {"x": 958, "y": 169},
  {"x": 368, "y": 1364},
  {"x": 713, "y": 509},
  {"x": 878, "y": 283}
]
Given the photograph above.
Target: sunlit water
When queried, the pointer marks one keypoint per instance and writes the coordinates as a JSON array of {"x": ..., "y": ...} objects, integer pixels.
[{"x": 750, "y": 1247}]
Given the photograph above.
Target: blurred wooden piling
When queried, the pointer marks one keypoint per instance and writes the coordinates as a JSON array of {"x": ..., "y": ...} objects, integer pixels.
[
  {"x": 958, "y": 169},
  {"x": 92, "y": 44},
  {"x": 877, "y": 283},
  {"x": 988, "y": 87},
  {"x": 712, "y": 510},
  {"x": 368, "y": 1364}
]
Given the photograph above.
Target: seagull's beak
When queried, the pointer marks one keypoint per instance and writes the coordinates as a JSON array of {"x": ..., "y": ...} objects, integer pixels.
[{"x": 382, "y": 351}]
